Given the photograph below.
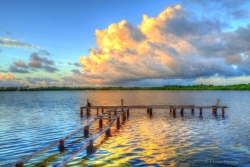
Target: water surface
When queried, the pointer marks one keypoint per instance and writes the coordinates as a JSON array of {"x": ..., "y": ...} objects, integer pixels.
[{"x": 30, "y": 121}]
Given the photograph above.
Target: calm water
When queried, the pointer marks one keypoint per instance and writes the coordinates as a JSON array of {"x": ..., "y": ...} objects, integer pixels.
[{"x": 31, "y": 120}]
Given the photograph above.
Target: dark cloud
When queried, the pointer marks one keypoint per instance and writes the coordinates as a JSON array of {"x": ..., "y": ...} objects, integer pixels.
[
  {"x": 17, "y": 70},
  {"x": 77, "y": 64},
  {"x": 241, "y": 13},
  {"x": 76, "y": 71},
  {"x": 44, "y": 52},
  {"x": 41, "y": 80},
  {"x": 20, "y": 63},
  {"x": 36, "y": 61},
  {"x": 50, "y": 69}
]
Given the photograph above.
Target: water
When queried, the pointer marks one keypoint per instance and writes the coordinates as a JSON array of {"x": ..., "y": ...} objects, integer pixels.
[{"x": 30, "y": 121}]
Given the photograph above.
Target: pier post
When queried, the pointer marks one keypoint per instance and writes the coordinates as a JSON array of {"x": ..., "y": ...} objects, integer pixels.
[
  {"x": 86, "y": 131},
  {"x": 150, "y": 112},
  {"x": 118, "y": 123},
  {"x": 20, "y": 164},
  {"x": 182, "y": 113},
  {"x": 81, "y": 111},
  {"x": 192, "y": 110},
  {"x": 124, "y": 117},
  {"x": 61, "y": 145},
  {"x": 214, "y": 110},
  {"x": 223, "y": 112},
  {"x": 170, "y": 110},
  {"x": 122, "y": 104},
  {"x": 97, "y": 111},
  {"x": 100, "y": 122},
  {"x": 147, "y": 110},
  {"x": 108, "y": 134},
  {"x": 128, "y": 113},
  {"x": 90, "y": 148},
  {"x": 200, "y": 112},
  {"x": 174, "y": 115},
  {"x": 102, "y": 110}
]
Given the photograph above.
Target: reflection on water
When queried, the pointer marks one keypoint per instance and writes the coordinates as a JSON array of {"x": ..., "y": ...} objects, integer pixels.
[{"x": 32, "y": 120}]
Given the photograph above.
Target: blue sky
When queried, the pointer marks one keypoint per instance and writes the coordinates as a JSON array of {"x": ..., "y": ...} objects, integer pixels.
[{"x": 124, "y": 43}]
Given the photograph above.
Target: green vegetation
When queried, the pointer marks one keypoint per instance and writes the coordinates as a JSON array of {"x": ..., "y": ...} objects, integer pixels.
[{"x": 166, "y": 87}]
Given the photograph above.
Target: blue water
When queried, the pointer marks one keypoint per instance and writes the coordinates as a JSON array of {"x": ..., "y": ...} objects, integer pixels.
[{"x": 30, "y": 121}]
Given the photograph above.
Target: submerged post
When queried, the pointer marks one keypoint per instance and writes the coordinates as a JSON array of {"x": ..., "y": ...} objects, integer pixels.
[
  {"x": 86, "y": 131},
  {"x": 182, "y": 113},
  {"x": 90, "y": 148},
  {"x": 200, "y": 112},
  {"x": 20, "y": 164},
  {"x": 174, "y": 112},
  {"x": 61, "y": 145},
  {"x": 192, "y": 110},
  {"x": 122, "y": 104},
  {"x": 118, "y": 123},
  {"x": 108, "y": 134},
  {"x": 223, "y": 112},
  {"x": 100, "y": 122}
]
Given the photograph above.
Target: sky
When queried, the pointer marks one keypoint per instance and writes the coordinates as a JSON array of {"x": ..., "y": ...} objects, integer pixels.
[{"x": 124, "y": 42}]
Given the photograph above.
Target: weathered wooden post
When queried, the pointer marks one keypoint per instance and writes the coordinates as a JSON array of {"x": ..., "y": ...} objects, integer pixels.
[
  {"x": 150, "y": 112},
  {"x": 100, "y": 122},
  {"x": 61, "y": 145},
  {"x": 20, "y": 164},
  {"x": 90, "y": 148},
  {"x": 81, "y": 111},
  {"x": 174, "y": 115},
  {"x": 147, "y": 110},
  {"x": 128, "y": 113},
  {"x": 200, "y": 112},
  {"x": 192, "y": 110},
  {"x": 102, "y": 110},
  {"x": 108, "y": 134},
  {"x": 86, "y": 131},
  {"x": 170, "y": 110},
  {"x": 124, "y": 117},
  {"x": 88, "y": 109},
  {"x": 223, "y": 112},
  {"x": 97, "y": 111},
  {"x": 182, "y": 113},
  {"x": 122, "y": 104},
  {"x": 118, "y": 123}
]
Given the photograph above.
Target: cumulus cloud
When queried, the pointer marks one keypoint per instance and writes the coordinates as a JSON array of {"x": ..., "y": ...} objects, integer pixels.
[
  {"x": 8, "y": 42},
  {"x": 17, "y": 70},
  {"x": 8, "y": 80},
  {"x": 175, "y": 45}
]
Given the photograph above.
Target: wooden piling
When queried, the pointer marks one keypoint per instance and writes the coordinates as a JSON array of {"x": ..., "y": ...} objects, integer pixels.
[
  {"x": 174, "y": 114},
  {"x": 81, "y": 111},
  {"x": 122, "y": 104},
  {"x": 86, "y": 131},
  {"x": 147, "y": 110},
  {"x": 118, "y": 123},
  {"x": 102, "y": 110},
  {"x": 192, "y": 111},
  {"x": 61, "y": 145},
  {"x": 20, "y": 164},
  {"x": 182, "y": 112},
  {"x": 100, "y": 123},
  {"x": 108, "y": 134},
  {"x": 200, "y": 112},
  {"x": 170, "y": 110},
  {"x": 150, "y": 112},
  {"x": 128, "y": 113},
  {"x": 124, "y": 117},
  {"x": 223, "y": 112},
  {"x": 97, "y": 111},
  {"x": 90, "y": 148}
]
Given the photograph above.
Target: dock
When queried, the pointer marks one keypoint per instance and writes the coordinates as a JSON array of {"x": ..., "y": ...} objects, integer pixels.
[{"x": 112, "y": 114}]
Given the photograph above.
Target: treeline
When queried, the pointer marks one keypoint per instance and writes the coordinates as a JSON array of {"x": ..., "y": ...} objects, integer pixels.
[{"x": 166, "y": 87}]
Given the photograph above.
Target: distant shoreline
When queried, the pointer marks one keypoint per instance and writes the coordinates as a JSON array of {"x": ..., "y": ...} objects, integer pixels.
[{"x": 166, "y": 87}]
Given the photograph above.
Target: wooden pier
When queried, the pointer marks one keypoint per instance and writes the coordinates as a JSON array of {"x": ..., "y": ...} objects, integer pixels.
[{"x": 112, "y": 114}]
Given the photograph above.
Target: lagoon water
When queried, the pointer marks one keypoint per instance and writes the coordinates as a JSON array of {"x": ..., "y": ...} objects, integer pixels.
[{"x": 30, "y": 121}]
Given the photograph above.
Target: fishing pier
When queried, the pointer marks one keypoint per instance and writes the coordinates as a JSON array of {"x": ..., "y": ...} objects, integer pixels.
[{"x": 113, "y": 115}]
